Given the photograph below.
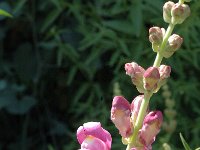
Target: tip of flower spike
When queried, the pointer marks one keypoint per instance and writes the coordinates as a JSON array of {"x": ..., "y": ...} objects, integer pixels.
[{"x": 179, "y": 13}]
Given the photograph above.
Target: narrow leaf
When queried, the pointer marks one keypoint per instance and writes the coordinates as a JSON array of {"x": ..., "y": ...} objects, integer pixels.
[
  {"x": 5, "y": 13},
  {"x": 186, "y": 146}
]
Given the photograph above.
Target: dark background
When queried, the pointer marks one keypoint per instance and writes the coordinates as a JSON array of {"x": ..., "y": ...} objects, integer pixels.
[{"x": 61, "y": 62}]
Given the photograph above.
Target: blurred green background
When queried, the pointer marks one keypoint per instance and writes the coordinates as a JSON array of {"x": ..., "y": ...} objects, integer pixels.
[{"x": 63, "y": 60}]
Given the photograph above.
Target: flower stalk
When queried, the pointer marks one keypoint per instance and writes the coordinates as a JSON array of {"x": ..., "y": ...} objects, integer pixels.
[
  {"x": 140, "y": 118},
  {"x": 137, "y": 126},
  {"x": 159, "y": 56}
]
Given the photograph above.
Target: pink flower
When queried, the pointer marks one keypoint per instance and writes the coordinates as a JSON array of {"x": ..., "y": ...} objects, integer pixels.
[
  {"x": 124, "y": 115},
  {"x": 151, "y": 127},
  {"x": 135, "y": 107},
  {"x": 120, "y": 115},
  {"x": 92, "y": 136}
]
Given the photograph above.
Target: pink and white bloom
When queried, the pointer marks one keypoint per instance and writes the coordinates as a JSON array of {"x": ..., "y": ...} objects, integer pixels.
[
  {"x": 120, "y": 115},
  {"x": 151, "y": 127},
  {"x": 124, "y": 114},
  {"x": 92, "y": 136}
]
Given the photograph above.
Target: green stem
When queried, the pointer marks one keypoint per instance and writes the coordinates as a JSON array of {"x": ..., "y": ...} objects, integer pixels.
[
  {"x": 159, "y": 56},
  {"x": 181, "y": 1},
  {"x": 147, "y": 95},
  {"x": 140, "y": 118}
]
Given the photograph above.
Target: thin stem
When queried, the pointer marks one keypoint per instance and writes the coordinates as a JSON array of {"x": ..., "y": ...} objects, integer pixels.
[
  {"x": 159, "y": 56},
  {"x": 147, "y": 95},
  {"x": 140, "y": 118}
]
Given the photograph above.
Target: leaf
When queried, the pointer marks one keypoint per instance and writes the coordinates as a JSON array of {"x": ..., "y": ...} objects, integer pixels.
[
  {"x": 71, "y": 75},
  {"x": 81, "y": 91},
  {"x": 120, "y": 25},
  {"x": 5, "y": 13},
  {"x": 186, "y": 146},
  {"x": 25, "y": 62},
  {"x": 22, "y": 106},
  {"x": 136, "y": 17},
  {"x": 19, "y": 6},
  {"x": 50, "y": 19}
]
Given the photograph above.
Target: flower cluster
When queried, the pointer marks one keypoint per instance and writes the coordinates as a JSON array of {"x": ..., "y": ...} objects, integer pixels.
[
  {"x": 124, "y": 115},
  {"x": 136, "y": 124},
  {"x": 151, "y": 79}
]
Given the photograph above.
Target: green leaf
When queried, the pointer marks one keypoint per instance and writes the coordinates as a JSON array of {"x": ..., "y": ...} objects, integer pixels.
[
  {"x": 136, "y": 17},
  {"x": 120, "y": 25},
  {"x": 21, "y": 106},
  {"x": 50, "y": 19},
  {"x": 19, "y": 6},
  {"x": 186, "y": 146},
  {"x": 5, "y": 13}
]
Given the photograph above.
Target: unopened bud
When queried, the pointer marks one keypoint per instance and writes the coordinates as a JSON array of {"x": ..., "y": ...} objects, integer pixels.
[
  {"x": 179, "y": 13},
  {"x": 151, "y": 78},
  {"x": 167, "y": 11},
  {"x": 174, "y": 43},
  {"x": 169, "y": 103},
  {"x": 164, "y": 71},
  {"x": 170, "y": 113},
  {"x": 136, "y": 73},
  {"x": 155, "y": 37}
]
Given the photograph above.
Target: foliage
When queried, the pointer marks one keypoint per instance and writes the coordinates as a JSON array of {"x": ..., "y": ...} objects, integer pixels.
[{"x": 61, "y": 59}]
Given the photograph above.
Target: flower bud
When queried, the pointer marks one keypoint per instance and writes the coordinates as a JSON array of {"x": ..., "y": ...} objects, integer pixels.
[
  {"x": 174, "y": 43},
  {"x": 179, "y": 13},
  {"x": 135, "y": 107},
  {"x": 170, "y": 126},
  {"x": 136, "y": 73},
  {"x": 120, "y": 115},
  {"x": 155, "y": 37},
  {"x": 169, "y": 103},
  {"x": 151, "y": 78},
  {"x": 164, "y": 71},
  {"x": 150, "y": 128},
  {"x": 170, "y": 113},
  {"x": 93, "y": 137},
  {"x": 167, "y": 11}
]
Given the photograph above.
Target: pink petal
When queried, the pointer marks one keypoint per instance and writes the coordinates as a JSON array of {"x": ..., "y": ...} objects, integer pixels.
[
  {"x": 151, "y": 128},
  {"x": 120, "y": 115},
  {"x": 94, "y": 129},
  {"x": 135, "y": 107},
  {"x": 93, "y": 143}
]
